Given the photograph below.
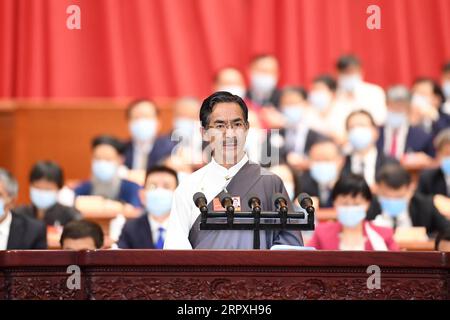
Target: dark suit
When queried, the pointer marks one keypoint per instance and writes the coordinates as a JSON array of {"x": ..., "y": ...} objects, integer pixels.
[
  {"x": 417, "y": 140},
  {"x": 274, "y": 98},
  {"x": 432, "y": 182},
  {"x": 162, "y": 148},
  {"x": 58, "y": 212},
  {"x": 422, "y": 212},
  {"x": 311, "y": 187},
  {"x": 136, "y": 234},
  {"x": 381, "y": 160},
  {"x": 443, "y": 122},
  {"x": 26, "y": 233},
  {"x": 129, "y": 192}
]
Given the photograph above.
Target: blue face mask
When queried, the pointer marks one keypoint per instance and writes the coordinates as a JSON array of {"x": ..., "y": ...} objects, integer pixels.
[
  {"x": 350, "y": 216},
  {"x": 143, "y": 129},
  {"x": 393, "y": 207},
  {"x": 104, "y": 170},
  {"x": 2, "y": 208},
  {"x": 396, "y": 119},
  {"x": 324, "y": 172},
  {"x": 293, "y": 113},
  {"x": 158, "y": 201},
  {"x": 360, "y": 137},
  {"x": 445, "y": 165},
  {"x": 186, "y": 127},
  {"x": 320, "y": 99},
  {"x": 43, "y": 199}
]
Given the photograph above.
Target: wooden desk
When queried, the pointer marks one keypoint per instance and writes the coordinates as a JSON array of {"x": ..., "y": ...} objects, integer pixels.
[{"x": 204, "y": 274}]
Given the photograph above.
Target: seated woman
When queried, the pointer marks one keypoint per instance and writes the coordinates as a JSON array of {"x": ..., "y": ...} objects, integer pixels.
[
  {"x": 46, "y": 180},
  {"x": 351, "y": 197}
]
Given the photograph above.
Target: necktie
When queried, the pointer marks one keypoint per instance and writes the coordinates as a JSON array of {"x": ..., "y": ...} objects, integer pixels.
[
  {"x": 394, "y": 143},
  {"x": 160, "y": 242}
]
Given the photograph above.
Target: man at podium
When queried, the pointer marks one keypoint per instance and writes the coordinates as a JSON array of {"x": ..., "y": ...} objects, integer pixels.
[{"x": 224, "y": 120}]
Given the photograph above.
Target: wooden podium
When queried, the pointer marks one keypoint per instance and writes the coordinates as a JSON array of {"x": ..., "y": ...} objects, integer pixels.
[{"x": 204, "y": 274}]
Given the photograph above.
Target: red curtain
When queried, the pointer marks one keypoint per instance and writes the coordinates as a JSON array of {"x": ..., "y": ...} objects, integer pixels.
[{"x": 173, "y": 47}]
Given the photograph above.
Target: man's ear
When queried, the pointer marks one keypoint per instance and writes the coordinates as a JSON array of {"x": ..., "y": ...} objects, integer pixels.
[{"x": 205, "y": 134}]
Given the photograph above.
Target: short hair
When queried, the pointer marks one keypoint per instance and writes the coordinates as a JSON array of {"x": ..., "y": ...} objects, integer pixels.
[
  {"x": 220, "y": 97},
  {"x": 351, "y": 184},
  {"x": 161, "y": 168},
  {"x": 295, "y": 89},
  {"x": 346, "y": 61},
  {"x": 78, "y": 229},
  {"x": 398, "y": 93},
  {"x": 262, "y": 56},
  {"x": 356, "y": 112},
  {"x": 110, "y": 141},
  {"x": 446, "y": 67},
  {"x": 437, "y": 91},
  {"x": 9, "y": 182},
  {"x": 442, "y": 139},
  {"x": 135, "y": 102},
  {"x": 441, "y": 236},
  {"x": 47, "y": 170},
  {"x": 393, "y": 175},
  {"x": 327, "y": 80}
]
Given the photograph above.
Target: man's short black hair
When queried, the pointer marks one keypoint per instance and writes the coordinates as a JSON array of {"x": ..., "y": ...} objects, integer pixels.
[
  {"x": 327, "y": 80},
  {"x": 346, "y": 61},
  {"x": 442, "y": 236},
  {"x": 47, "y": 170},
  {"x": 296, "y": 89},
  {"x": 262, "y": 56},
  {"x": 351, "y": 184},
  {"x": 161, "y": 168},
  {"x": 220, "y": 97},
  {"x": 394, "y": 176},
  {"x": 78, "y": 229},
  {"x": 110, "y": 141},
  {"x": 364, "y": 112},
  {"x": 135, "y": 102},
  {"x": 437, "y": 91},
  {"x": 446, "y": 67}
]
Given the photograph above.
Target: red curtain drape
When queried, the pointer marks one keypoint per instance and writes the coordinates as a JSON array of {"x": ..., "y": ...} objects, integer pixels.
[{"x": 173, "y": 47}]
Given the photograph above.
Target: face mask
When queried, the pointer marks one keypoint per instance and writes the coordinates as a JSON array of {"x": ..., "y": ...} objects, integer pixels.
[
  {"x": 290, "y": 190},
  {"x": 319, "y": 99},
  {"x": 350, "y": 82},
  {"x": 421, "y": 102},
  {"x": 158, "y": 201},
  {"x": 263, "y": 82},
  {"x": 445, "y": 165},
  {"x": 360, "y": 137},
  {"x": 396, "y": 119},
  {"x": 2, "y": 208},
  {"x": 104, "y": 170},
  {"x": 143, "y": 129},
  {"x": 185, "y": 127},
  {"x": 324, "y": 172},
  {"x": 236, "y": 90},
  {"x": 43, "y": 199},
  {"x": 350, "y": 216},
  {"x": 293, "y": 113},
  {"x": 446, "y": 89},
  {"x": 393, "y": 207}
]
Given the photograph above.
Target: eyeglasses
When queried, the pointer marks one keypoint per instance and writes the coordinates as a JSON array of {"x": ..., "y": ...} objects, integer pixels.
[{"x": 236, "y": 125}]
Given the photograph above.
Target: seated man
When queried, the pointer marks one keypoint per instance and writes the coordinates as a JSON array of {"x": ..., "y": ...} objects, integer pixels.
[
  {"x": 400, "y": 206},
  {"x": 17, "y": 231},
  {"x": 145, "y": 148},
  {"x": 442, "y": 242},
  {"x": 46, "y": 180},
  {"x": 148, "y": 231},
  {"x": 81, "y": 235},
  {"x": 105, "y": 180}
]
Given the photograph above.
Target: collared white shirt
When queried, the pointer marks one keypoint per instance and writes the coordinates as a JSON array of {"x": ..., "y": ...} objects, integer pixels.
[
  {"x": 366, "y": 163},
  {"x": 140, "y": 154},
  {"x": 210, "y": 180},
  {"x": 384, "y": 220},
  {"x": 402, "y": 132},
  {"x": 5, "y": 227},
  {"x": 155, "y": 225}
]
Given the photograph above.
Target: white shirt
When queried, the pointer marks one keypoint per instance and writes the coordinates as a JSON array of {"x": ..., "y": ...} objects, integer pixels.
[
  {"x": 402, "y": 132},
  {"x": 140, "y": 154},
  {"x": 155, "y": 225},
  {"x": 210, "y": 180},
  {"x": 369, "y": 160},
  {"x": 384, "y": 220},
  {"x": 5, "y": 226}
]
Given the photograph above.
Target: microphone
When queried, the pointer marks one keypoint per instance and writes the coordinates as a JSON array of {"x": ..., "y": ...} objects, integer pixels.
[
  {"x": 306, "y": 202},
  {"x": 200, "y": 202},
  {"x": 280, "y": 203},
  {"x": 254, "y": 203},
  {"x": 227, "y": 202}
]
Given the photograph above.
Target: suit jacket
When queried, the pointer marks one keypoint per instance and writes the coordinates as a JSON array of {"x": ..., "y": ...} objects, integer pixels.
[
  {"x": 311, "y": 187},
  {"x": 58, "y": 212},
  {"x": 162, "y": 148},
  {"x": 417, "y": 140},
  {"x": 326, "y": 237},
  {"x": 381, "y": 160},
  {"x": 441, "y": 123},
  {"x": 432, "y": 182},
  {"x": 26, "y": 233},
  {"x": 137, "y": 234},
  {"x": 423, "y": 213},
  {"x": 129, "y": 192}
]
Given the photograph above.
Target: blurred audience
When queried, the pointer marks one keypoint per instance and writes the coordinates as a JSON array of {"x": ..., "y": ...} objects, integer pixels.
[
  {"x": 82, "y": 235},
  {"x": 289, "y": 178},
  {"x": 264, "y": 75},
  {"x": 445, "y": 83},
  {"x": 442, "y": 242}
]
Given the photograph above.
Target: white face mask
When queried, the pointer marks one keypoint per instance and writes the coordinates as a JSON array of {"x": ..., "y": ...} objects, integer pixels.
[
  {"x": 234, "y": 89},
  {"x": 43, "y": 199},
  {"x": 446, "y": 89},
  {"x": 143, "y": 129},
  {"x": 264, "y": 83},
  {"x": 319, "y": 99},
  {"x": 349, "y": 82},
  {"x": 421, "y": 102}
]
